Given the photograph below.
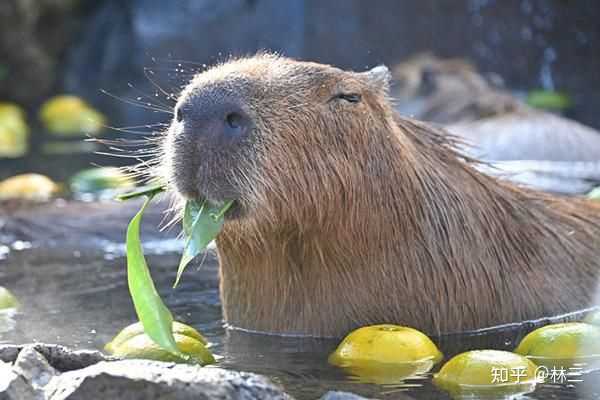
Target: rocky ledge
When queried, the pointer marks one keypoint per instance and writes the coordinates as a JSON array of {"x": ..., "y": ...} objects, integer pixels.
[{"x": 53, "y": 372}]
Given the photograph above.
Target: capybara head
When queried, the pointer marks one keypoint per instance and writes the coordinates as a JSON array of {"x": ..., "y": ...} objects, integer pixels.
[
  {"x": 424, "y": 75},
  {"x": 235, "y": 124},
  {"x": 447, "y": 90}
]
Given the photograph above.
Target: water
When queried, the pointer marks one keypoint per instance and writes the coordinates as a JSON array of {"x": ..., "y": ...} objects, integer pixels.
[{"x": 80, "y": 299}]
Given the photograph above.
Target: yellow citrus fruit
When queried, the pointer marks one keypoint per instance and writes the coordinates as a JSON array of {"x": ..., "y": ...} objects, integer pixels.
[
  {"x": 482, "y": 372},
  {"x": 7, "y": 299},
  {"x": 29, "y": 187},
  {"x": 561, "y": 345},
  {"x": 67, "y": 115},
  {"x": 385, "y": 344},
  {"x": 132, "y": 342},
  {"x": 14, "y": 131},
  {"x": 385, "y": 353}
]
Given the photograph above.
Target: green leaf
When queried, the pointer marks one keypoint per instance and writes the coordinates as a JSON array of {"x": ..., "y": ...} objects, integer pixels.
[
  {"x": 150, "y": 191},
  {"x": 154, "y": 315},
  {"x": 202, "y": 222}
]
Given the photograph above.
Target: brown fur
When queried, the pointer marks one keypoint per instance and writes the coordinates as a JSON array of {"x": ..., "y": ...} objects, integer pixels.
[{"x": 353, "y": 215}]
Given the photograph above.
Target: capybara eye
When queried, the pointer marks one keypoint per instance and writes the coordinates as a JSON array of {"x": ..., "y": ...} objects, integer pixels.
[
  {"x": 234, "y": 120},
  {"x": 349, "y": 97}
]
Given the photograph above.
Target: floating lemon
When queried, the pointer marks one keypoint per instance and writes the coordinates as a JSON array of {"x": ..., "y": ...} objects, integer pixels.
[
  {"x": 482, "y": 373},
  {"x": 7, "y": 300},
  {"x": 132, "y": 342},
  {"x": 96, "y": 180},
  {"x": 385, "y": 353},
  {"x": 28, "y": 187},
  {"x": 14, "y": 131},
  {"x": 562, "y": 345},
  {"x": 71, "y": 116}
]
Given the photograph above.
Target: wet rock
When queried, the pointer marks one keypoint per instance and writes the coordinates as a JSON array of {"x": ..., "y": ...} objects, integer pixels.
[
  {"x": 78, "y": 225},
  {"x": 34, "y": 367},
  {"x": 58, "y": 357},
  {"x": 33, "y": 371},
  {"x": 14, "y": 386},
  {"x": 53, "y": 372},
  {"x": 26, "y": 377},
  {"x": 143, "y": 379}
]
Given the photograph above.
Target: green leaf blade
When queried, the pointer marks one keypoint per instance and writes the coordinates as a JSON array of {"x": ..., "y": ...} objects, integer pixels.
[
  {"x": 154, "y": 315},
  {"x": 149, "y": 191},
  {"x": 202, "y": 222}
]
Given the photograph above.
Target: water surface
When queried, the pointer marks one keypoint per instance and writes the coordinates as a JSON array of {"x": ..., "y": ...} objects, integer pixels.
[{"x": 80, "y": 299}]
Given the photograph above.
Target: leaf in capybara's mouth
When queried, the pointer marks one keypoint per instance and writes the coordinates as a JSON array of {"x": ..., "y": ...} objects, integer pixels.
[{"x": 202, "y": 222}]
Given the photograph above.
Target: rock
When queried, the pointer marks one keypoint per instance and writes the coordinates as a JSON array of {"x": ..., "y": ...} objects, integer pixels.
[
  {"x": 53, "y": 372},
  {"x": 26, "y": 378},
  {"x": 9, "y": 352},
  {"x": 78, "y": 225},
  {"x": 34, "y": 367},
  {"x": 143, "y": 379},
  {"x": 9, "y": 381},
  {"x": 58, "y": 357}
]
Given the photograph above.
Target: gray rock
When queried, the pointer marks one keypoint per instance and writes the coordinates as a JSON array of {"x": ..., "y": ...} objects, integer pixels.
[
  {"x": 13, "y": 386},
  {"x": 144, "y": 379},
  {"x": 59, "y": 357},
  {"x": 9, "y": 352},
  {"x": 32, "y": 367}
]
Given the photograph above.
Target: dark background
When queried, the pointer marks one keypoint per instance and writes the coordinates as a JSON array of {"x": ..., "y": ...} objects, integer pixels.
[{"x": 81, "y": 47}]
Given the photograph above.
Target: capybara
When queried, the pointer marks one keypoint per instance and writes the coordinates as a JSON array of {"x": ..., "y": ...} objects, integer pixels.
[
  {"x": 528, "y": 146},
  {"x": 347, "y": 214}
]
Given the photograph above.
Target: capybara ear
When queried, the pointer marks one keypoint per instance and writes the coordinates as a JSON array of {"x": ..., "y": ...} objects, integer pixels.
[{"x": 379, "y": 77}]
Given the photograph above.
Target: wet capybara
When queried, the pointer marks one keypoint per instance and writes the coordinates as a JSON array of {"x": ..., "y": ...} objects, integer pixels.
[
  {"x": 448, "y": 90},
  {"x": 347, "y": 214},
  {"x": 528, "y": 146}
]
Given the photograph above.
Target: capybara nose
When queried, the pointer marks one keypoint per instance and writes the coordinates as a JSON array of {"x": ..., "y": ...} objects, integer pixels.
[{"x": 214, "y": 123}]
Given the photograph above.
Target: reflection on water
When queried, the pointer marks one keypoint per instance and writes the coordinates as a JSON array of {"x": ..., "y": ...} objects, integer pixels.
[{"x": 83, "y": 302}]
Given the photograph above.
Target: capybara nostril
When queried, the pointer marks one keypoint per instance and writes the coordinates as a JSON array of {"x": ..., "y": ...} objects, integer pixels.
[{"x": 210, "y": 122}]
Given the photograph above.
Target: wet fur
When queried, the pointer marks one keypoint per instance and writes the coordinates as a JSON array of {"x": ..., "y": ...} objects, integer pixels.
[{"x": 355, "y": 216}]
